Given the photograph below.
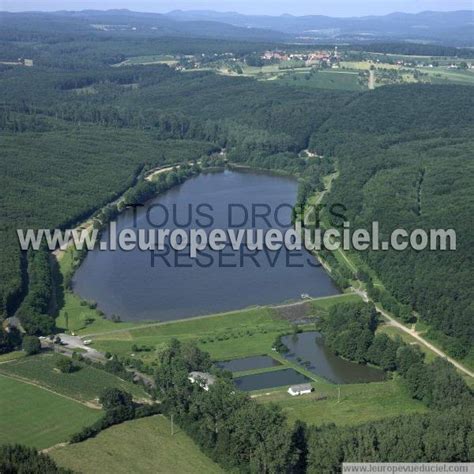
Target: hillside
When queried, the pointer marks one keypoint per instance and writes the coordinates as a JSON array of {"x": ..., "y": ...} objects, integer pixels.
[
  {"x": 145, "y": 445},
  {"x": 404, "y": 159}
]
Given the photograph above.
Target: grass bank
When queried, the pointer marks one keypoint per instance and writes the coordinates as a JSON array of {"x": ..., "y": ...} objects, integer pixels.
[{"x": 144, "y": 445}]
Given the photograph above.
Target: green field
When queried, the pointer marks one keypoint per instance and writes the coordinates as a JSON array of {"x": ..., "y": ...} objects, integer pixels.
[
  {"x": 449, "y": 76},
  {"x": 358, "y": 403},
  {"x": 137, "y": 446},
  {"x": 11, "y": 356},
  {"x": 152, "y": 59},
  {"x": 84, "y": 385},
  {"x": 36, "y": 417}
]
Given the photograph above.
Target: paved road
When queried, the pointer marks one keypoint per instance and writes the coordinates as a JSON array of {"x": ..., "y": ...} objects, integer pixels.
[{"x": 415, "y": 335}]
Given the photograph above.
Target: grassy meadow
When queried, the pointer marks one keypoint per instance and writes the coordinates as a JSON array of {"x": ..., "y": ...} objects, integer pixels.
[
  {"x": 358, "y": 403},
  {"x": 144, "y": 445}
]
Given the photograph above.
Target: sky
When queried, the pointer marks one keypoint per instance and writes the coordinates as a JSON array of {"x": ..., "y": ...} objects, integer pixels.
[{"x": 339, "y": 8}]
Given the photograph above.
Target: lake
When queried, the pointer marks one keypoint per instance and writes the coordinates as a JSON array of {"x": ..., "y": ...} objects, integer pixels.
[
  {"x": 139, "y": 286},
  {"x": 276, "y": 378},
  {"x": 316, "y": 357}
]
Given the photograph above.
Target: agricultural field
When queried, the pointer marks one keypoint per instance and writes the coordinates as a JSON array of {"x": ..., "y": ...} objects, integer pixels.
[
  {"x": 36, "y": 417},
  {"x": 85, "y": 384},
  {"x": 358, "y": 403},
  {"x": 144, "y": 445},
  {"x": 146, "y": 60},
  {"x": 366, "y": 65},
  {"x": 448, "y": 76}
]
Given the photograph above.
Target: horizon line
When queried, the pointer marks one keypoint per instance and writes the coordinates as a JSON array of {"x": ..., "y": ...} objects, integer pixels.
[{"x": 231, "y": 12}]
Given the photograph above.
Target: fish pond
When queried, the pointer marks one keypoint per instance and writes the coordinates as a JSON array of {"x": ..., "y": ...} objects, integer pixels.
[
  {"x": 276, "y": 378},
  {"x": 248, "y": 363},
  {"x": 309, "y": 350}
]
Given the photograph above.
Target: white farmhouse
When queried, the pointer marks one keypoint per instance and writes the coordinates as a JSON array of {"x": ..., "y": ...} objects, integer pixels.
[
  {"x": 300, "y": 389},
  {"x": 203, "y": 379}
]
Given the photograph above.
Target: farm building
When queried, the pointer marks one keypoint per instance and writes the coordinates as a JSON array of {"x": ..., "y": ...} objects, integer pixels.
[
  {"x": 203, "y": 379},
  {"x": 300, "y": 389}
]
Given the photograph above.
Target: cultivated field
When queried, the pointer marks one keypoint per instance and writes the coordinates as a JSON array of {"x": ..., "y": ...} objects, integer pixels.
[
  {"x": 84, "y": 385},
  {"x": 147, "y": 60},
  {"x": 36, "y": 417}
]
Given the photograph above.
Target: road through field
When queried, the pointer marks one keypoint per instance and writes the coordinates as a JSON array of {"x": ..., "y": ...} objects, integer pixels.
[{"x": 415, "y": 335}]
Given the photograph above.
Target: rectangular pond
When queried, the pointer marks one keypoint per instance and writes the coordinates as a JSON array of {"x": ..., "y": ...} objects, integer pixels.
[
  {"x": 248, "y": 363},
  {"x": 309, "y": 350},
  {"x": 273, "y": 379}
]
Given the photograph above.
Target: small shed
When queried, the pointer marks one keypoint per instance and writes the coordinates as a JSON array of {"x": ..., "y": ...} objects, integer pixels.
[
  {"x": 203, "y": 379},
  {"x": 300, "y": 389}
]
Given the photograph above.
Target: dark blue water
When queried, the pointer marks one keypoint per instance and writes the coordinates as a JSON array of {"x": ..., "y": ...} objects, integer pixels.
[
  {"x": 248, "y": 363},
  {"x": 276, "y": 378},
  {"x": 126, "y": 284},
  {"x": 313, "y": 354}
]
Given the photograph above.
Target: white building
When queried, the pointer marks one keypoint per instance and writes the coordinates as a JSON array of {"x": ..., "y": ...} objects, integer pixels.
[
  {"x": 203, "y": 379},
  {"x": 300, "y": 389}
]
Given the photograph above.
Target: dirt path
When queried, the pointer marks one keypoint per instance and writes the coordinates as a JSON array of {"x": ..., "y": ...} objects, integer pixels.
[
  {"x": 52, "y": 448},
  {"x": 371, "y": 80},
  {"x": 303, "y": 301},
  {"x": 36, "y": 384},
  {"x": 88, "y": 225},
  {"x": 415, "y": 335},
  {"x": 158, "y": 171}
]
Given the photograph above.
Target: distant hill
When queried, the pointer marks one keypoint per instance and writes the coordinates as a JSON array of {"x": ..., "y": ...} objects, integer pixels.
[
  {"x": 125, "y": 22},
  {"x": 455, "y": 27},
  {"x": 449, "y": 28}
]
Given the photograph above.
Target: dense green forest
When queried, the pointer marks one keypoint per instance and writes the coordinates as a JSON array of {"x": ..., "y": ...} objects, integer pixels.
[{"x": 404, "y": 155}]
